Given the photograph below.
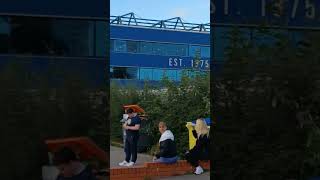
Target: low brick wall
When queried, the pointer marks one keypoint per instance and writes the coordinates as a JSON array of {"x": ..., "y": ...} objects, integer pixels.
[{"x": 152, "y": 170}]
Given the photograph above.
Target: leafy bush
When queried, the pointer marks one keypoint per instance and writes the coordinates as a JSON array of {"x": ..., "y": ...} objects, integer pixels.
[
  {"x": 174, "y": 103},
  {"x": 33, "y": 112},
  {"x": 267, "y": 96}
]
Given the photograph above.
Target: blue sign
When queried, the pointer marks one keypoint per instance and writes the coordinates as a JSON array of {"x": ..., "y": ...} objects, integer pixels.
[
  {"x": 143, "y": 60},
  {"x": 291, "y": 13},
  {"x": 56, "y": 69}
]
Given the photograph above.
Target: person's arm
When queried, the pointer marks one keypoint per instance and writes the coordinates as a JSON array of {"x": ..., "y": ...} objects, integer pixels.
[
  {"x": 136, "y": 127},
  {"x": 195, "y": 135}
]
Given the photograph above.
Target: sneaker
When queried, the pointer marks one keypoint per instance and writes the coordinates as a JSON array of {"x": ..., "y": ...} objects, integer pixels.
[
  {"x": 199, "y": 170},
  {"x": 123, "y": 163},
  {"x": 130, "y": 164}
]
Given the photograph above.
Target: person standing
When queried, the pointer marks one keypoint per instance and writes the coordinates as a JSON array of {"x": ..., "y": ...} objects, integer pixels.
[
  {"x": 201, "y": 150},
  {"x": 132, "y": 127}
]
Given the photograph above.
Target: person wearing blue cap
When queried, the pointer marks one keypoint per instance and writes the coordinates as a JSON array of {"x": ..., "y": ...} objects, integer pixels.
[{"x": 201, "y": 150}]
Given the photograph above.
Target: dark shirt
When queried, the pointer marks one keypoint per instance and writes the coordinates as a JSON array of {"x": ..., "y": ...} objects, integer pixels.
[
  {"x": 167, "y": 149},
  {"x": 134, "y": 121},
  {"x": 202, "y": 144},
  {"x": 86, "y": 174}
]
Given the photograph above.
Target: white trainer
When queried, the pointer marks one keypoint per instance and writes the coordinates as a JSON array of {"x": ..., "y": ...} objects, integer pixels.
[
  {"x": 123, "y": 163},
  {"x": 199, "y": 170},
  {"x": 130, "y": 164}
]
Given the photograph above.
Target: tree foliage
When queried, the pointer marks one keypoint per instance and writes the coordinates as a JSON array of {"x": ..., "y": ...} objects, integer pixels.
[
  {"x": 266, "y": 98},
  {"x": 32, "y": 112},
  {"x": 172, "y": 102}
]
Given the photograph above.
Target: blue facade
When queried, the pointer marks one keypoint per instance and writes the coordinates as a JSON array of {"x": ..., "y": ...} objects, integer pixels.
[
  {"x": 58, "y": 8},
  {"x": 54, "y": 36},
  {"x": 293, "y": 13},
  {"x": 138, "y": 54}
]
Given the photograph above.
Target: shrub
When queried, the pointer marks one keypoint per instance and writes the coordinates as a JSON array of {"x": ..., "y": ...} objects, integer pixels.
[{"x": 174, "y": 103}]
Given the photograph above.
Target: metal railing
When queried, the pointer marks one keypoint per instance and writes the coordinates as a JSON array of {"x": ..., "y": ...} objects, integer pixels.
[{"x": 176, "y": 23}]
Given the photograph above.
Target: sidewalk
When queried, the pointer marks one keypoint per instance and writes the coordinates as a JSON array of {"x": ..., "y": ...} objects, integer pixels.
[
  {"x": 117, "y": 155},
  {"x": 204, "y": 176}
]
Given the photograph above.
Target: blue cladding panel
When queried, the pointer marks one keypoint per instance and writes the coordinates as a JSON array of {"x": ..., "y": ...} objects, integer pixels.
[
  {"x": 91, "y": 70},
  {"x": 142, "y": 60},
  {"x": 76, "y": 8},
  {"x": 297, "y": 13},
  {"x": 147, "y": 34}
]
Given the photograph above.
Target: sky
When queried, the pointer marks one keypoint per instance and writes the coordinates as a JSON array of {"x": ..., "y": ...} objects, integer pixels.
[{"x": 192, "y": 11}]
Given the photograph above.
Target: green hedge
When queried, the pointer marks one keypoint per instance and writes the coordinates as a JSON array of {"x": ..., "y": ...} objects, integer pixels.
[
  {"x": 174, "y": 103},
  {"x": 32, "y": 112},
  {"x": 267, "y": 98}
]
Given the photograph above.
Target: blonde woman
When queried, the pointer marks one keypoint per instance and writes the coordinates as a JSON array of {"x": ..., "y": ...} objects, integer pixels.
[{"x": 201, "y": 150}]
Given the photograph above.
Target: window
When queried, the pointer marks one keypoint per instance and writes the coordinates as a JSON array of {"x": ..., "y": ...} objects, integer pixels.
[
  {"x": 124, "y": 73},
  {"x": 146, "y": 47},
  {"x": 265, "y": 36},
  {"x": 75, "y": 37},
  {"x": 159, "y": 49},
  {"x": 205, "y": 52},
  {"x": 180, "y": 73},
  {"x": 192, "y": 73},
  {"x": 171, "y": 74},
  {"x": 162, "y": 49},
  {"x": 146, "y": 74},
  {"x": 51, "y": 36},
  {"x": 194, "y": 51},
  {"x": 111, "y": 45},
  {"x": 101, "y": 38},
  {"x": 182, "y": 50},
  {"x": 25, "y": 30},
  {"x": 296, "y": 36},
  {"x": 120, "y": 46},
  {"x": 158, "y": 74},
  {"x": 171, "y": 50},
  {"x": 221, "y": 35},
  {"x": 132, "y": 46},
  {"x": 4, "y": 34}
]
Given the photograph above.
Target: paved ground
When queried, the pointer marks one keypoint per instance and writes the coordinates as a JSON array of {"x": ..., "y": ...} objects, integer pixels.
[
  {"x": 204, "y": 176},
  {"x": 117, "y": 155}
]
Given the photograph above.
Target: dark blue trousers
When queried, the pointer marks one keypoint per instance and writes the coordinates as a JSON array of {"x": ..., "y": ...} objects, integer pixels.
[{"x": 131, "y": 147}]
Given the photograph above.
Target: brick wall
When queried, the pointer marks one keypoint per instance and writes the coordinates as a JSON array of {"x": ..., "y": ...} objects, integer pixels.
[{"x": 152, "y": 170}]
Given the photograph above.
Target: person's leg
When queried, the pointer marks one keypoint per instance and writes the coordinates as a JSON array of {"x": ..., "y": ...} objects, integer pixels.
[
  {"x": 124, "y": 140},
  {"x": 128, "y": 149},
  {"x": 167, "y": 160},
  {"x": 193, "y": 159},
  {"x": 134, "y": 148}
]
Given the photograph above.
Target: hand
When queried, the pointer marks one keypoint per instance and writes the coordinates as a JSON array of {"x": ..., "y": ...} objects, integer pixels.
[
  {"x": 154, "y": 158},
  {"x": 189, "y": 125}
]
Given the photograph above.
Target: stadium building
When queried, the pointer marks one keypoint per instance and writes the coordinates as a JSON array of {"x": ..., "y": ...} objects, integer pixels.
[
  {"x": 147, "y": 50},
  {"x": 55, "y": 36}
]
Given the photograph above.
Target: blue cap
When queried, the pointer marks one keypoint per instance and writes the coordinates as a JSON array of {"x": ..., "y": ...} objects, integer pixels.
[{"x": 208, "y": 121}]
